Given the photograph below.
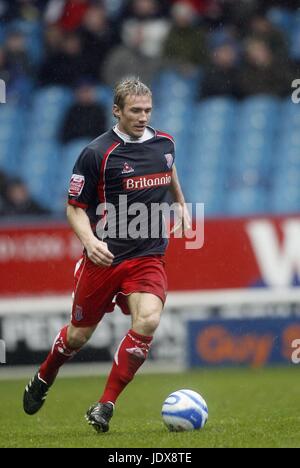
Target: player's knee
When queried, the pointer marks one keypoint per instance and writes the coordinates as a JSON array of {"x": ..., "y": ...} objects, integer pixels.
[{"x": 149, "y": 322}]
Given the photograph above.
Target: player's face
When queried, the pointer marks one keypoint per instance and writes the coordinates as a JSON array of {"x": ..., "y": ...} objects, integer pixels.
[{"x": 135, "y": 115}]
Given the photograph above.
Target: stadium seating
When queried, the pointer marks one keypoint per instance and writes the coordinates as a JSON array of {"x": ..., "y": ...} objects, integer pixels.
[
  {"x": 239, "y": 158},
  {"x": 247, "y": 201},
  {"x": 11, "y": 133}
]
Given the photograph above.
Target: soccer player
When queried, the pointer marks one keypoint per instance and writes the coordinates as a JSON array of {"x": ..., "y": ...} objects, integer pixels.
[{"x": 135, "y": 161}]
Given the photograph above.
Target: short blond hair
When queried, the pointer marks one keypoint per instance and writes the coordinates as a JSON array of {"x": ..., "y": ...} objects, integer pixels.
[{"x": 128, "y": 87}]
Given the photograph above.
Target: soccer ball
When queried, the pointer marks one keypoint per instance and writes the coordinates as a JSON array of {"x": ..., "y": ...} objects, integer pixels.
[{"x": 184, "y": 410}]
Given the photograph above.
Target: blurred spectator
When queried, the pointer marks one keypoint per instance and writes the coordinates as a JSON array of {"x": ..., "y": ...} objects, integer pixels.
[
  {"x": 261, "y": 28},
  {"x": 114, "y": 8},
  {"x": 53, "y": 39},
  {"x": 3, "y": 184},
  {"x": 15, "y": 68},
  {"x": 127, "y": 59},
  {"x": 146, "y": 20},
  {"x": 68, "y": 14},
  {"x": 66, "y": 66},
  {"x": 292, "y": 4},
  {"x": 18, "y": 200},
  {"x": 15, "y": 46},
  {"x": 185, "y": 46},
  {"x": 4, "y": 72},
  {"x": 98, "y": 37},
  {"x": 86, "y": 118},
  {"x": 262, "y": 73},
  {"x": 221, "y": 77},
  {"x": 202, "y": 7},
  {"x": 3, "y": 10},
  {"x": 26, "y": 10},
  {"x": 239, "y": 12}
]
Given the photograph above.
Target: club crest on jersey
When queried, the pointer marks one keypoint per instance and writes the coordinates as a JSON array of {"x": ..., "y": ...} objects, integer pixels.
[
  {"x": 76, "y": 185},
  {"x": 127, "y": 169},
  {"x": 169, "y": 159}
]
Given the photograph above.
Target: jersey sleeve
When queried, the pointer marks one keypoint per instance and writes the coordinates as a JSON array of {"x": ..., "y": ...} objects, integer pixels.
[{"x": 84, "y": 181}]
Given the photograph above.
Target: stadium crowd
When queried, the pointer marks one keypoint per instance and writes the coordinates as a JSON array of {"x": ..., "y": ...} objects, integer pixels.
[{"x": 234, "y": 46}]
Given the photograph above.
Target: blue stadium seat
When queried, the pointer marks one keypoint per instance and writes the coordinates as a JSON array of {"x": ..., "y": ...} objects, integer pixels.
[
  {"x": 39, "y": 169},
  {"x": 206, "y": 187},
  {"x": 285, "y": 200},
  {"x": 8, "y": 113},
  {"x": 172, "y": 85},
  {"x": 48, "y": 110},
  {"x": 12, "y": 127},
  {"x": 287, "y": 156},
  {"x": 52, "y": 96},
  {"x": 289, "y": 140},
  {"x": 105, "y": 95},
  {"x": 262, "y": 102},
  {"x": 287, "y": 176},
  {"x": 33, "y": 32},
  {"x": 295, "y": 38},
  {"x": 252, "y": 153},
  {"x": 261, "y": 120},
  {"x": 70, "y": 153},
  {"x": 247, "y": 201},
  {"x": 290, "y": 116},
  {"x": 217, "y": 106}
]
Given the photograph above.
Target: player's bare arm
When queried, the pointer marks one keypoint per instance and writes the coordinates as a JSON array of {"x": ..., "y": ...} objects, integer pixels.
[
  {"x": 97, "y": 250},
  {"x": 183, "y": 214}
]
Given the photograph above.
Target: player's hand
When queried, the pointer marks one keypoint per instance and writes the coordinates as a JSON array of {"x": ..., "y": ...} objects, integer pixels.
[
  {"x": 184, "y": 222},
  {"x": 98, "y": 253}
]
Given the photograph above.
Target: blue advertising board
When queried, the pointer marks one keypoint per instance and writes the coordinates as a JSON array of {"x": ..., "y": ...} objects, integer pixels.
[{"x": 249, "y": 342}]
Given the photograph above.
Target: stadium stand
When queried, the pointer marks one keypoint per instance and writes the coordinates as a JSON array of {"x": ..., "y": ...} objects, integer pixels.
[{"x": 239, "y": 157}]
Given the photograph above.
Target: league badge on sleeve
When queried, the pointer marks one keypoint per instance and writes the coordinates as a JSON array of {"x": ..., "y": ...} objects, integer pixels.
[
  {"x": 78, "y": 313},
  {"x": 169, "y": 159},
  {"x": 76, "y": 185}
]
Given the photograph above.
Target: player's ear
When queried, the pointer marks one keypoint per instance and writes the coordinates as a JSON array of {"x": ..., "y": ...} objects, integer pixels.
[{"x": 116, "y": 111}]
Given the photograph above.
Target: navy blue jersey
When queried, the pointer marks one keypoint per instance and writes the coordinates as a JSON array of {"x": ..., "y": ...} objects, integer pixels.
[{"x": 109, "y": 167}]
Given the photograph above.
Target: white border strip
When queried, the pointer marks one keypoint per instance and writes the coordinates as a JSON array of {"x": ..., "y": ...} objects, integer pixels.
[{"x": 44, "y": 305}]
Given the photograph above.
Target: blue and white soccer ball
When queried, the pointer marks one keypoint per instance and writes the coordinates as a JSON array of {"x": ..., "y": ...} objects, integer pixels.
[{"x": 184, "y": 410}]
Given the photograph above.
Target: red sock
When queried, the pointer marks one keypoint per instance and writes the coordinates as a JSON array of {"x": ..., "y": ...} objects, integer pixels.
[
  {"x": 59, "y": 354},
  {"x": 129, "y": 357}
]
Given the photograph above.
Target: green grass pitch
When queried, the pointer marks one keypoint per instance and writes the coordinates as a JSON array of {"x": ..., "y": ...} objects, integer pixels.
[{"x": 247, "y": 408}]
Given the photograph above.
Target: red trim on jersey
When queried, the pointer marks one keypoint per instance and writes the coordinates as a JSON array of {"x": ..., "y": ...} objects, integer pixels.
[
  {"x": 71, "y": 201},
  {"x": 165, "y": 135},
  {"x": 101, "y": 186}
]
